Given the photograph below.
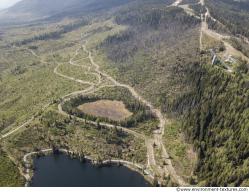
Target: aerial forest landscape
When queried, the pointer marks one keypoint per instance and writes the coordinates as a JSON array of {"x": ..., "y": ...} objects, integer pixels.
[{"x": 124, "y": 93}]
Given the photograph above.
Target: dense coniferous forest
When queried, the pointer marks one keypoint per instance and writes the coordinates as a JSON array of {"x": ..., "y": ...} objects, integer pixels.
[
  {"x": 219, "y": 126},
  {"x": 214, "y": 108}
]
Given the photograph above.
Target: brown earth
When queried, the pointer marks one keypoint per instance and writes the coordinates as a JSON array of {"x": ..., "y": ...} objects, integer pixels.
[{"x": 114, "y": 110}]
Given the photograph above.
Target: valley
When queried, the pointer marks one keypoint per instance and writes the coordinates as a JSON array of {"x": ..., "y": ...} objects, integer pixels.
[{"x": 152, "y": 86}]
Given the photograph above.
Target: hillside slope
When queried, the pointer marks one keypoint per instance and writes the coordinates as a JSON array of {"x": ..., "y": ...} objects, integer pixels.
[
  {"x": 211, "y": 103},
  {"x": 30, "y": 10},
  {"x": 171, "y": 55}
]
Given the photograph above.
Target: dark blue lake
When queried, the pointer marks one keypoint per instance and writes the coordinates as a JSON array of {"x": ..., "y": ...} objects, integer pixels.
[{"x": 62, "y": 171}]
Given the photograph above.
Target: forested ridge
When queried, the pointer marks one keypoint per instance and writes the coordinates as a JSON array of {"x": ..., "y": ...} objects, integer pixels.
[
  {"x": 217, "y": 124},
  {"x": 212, "y": 104}
]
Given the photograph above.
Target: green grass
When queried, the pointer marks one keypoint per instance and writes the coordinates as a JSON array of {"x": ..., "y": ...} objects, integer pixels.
[
  {"x": 25, "y": 94},
  {"x": 77, "y": 72},
  {"x": 147, "y": 127},
  {"x": 9, "y": 173},
  {"x": 81, "y": 54},
  {"x": 85, "y": 63},
  {"x": 178, "y": 148},
  {"x": 52, "y": 129},
  {"x": 27, "y": 84}
]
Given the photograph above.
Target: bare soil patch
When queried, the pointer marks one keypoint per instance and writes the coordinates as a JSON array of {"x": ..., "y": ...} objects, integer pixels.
[{"x": 114, "y": 110}]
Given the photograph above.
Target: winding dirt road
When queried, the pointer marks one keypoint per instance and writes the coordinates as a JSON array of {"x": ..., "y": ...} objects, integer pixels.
[
  {"x": 13, "y": 131},
  {"x": 16, "y": 129},
  {"x": 158, "y": 135},
  {"x": 230, "y": 50},
  {"x": 157, "y": 139}
]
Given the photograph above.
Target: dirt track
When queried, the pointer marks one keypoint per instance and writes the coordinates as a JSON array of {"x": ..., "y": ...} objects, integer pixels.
[
  {"x": 230, "y": 50},
  {"x": 152, "y": 165}
]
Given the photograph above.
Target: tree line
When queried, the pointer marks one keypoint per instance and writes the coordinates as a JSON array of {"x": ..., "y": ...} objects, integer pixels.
[
  {"x": 140, "y": 112},
  {"x": 216, "y": 122},
  {"x": 54, "y": 34}
]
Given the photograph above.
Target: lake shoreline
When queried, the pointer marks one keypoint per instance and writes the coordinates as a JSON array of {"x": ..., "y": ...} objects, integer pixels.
[{"x": 29, "y": 172}]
